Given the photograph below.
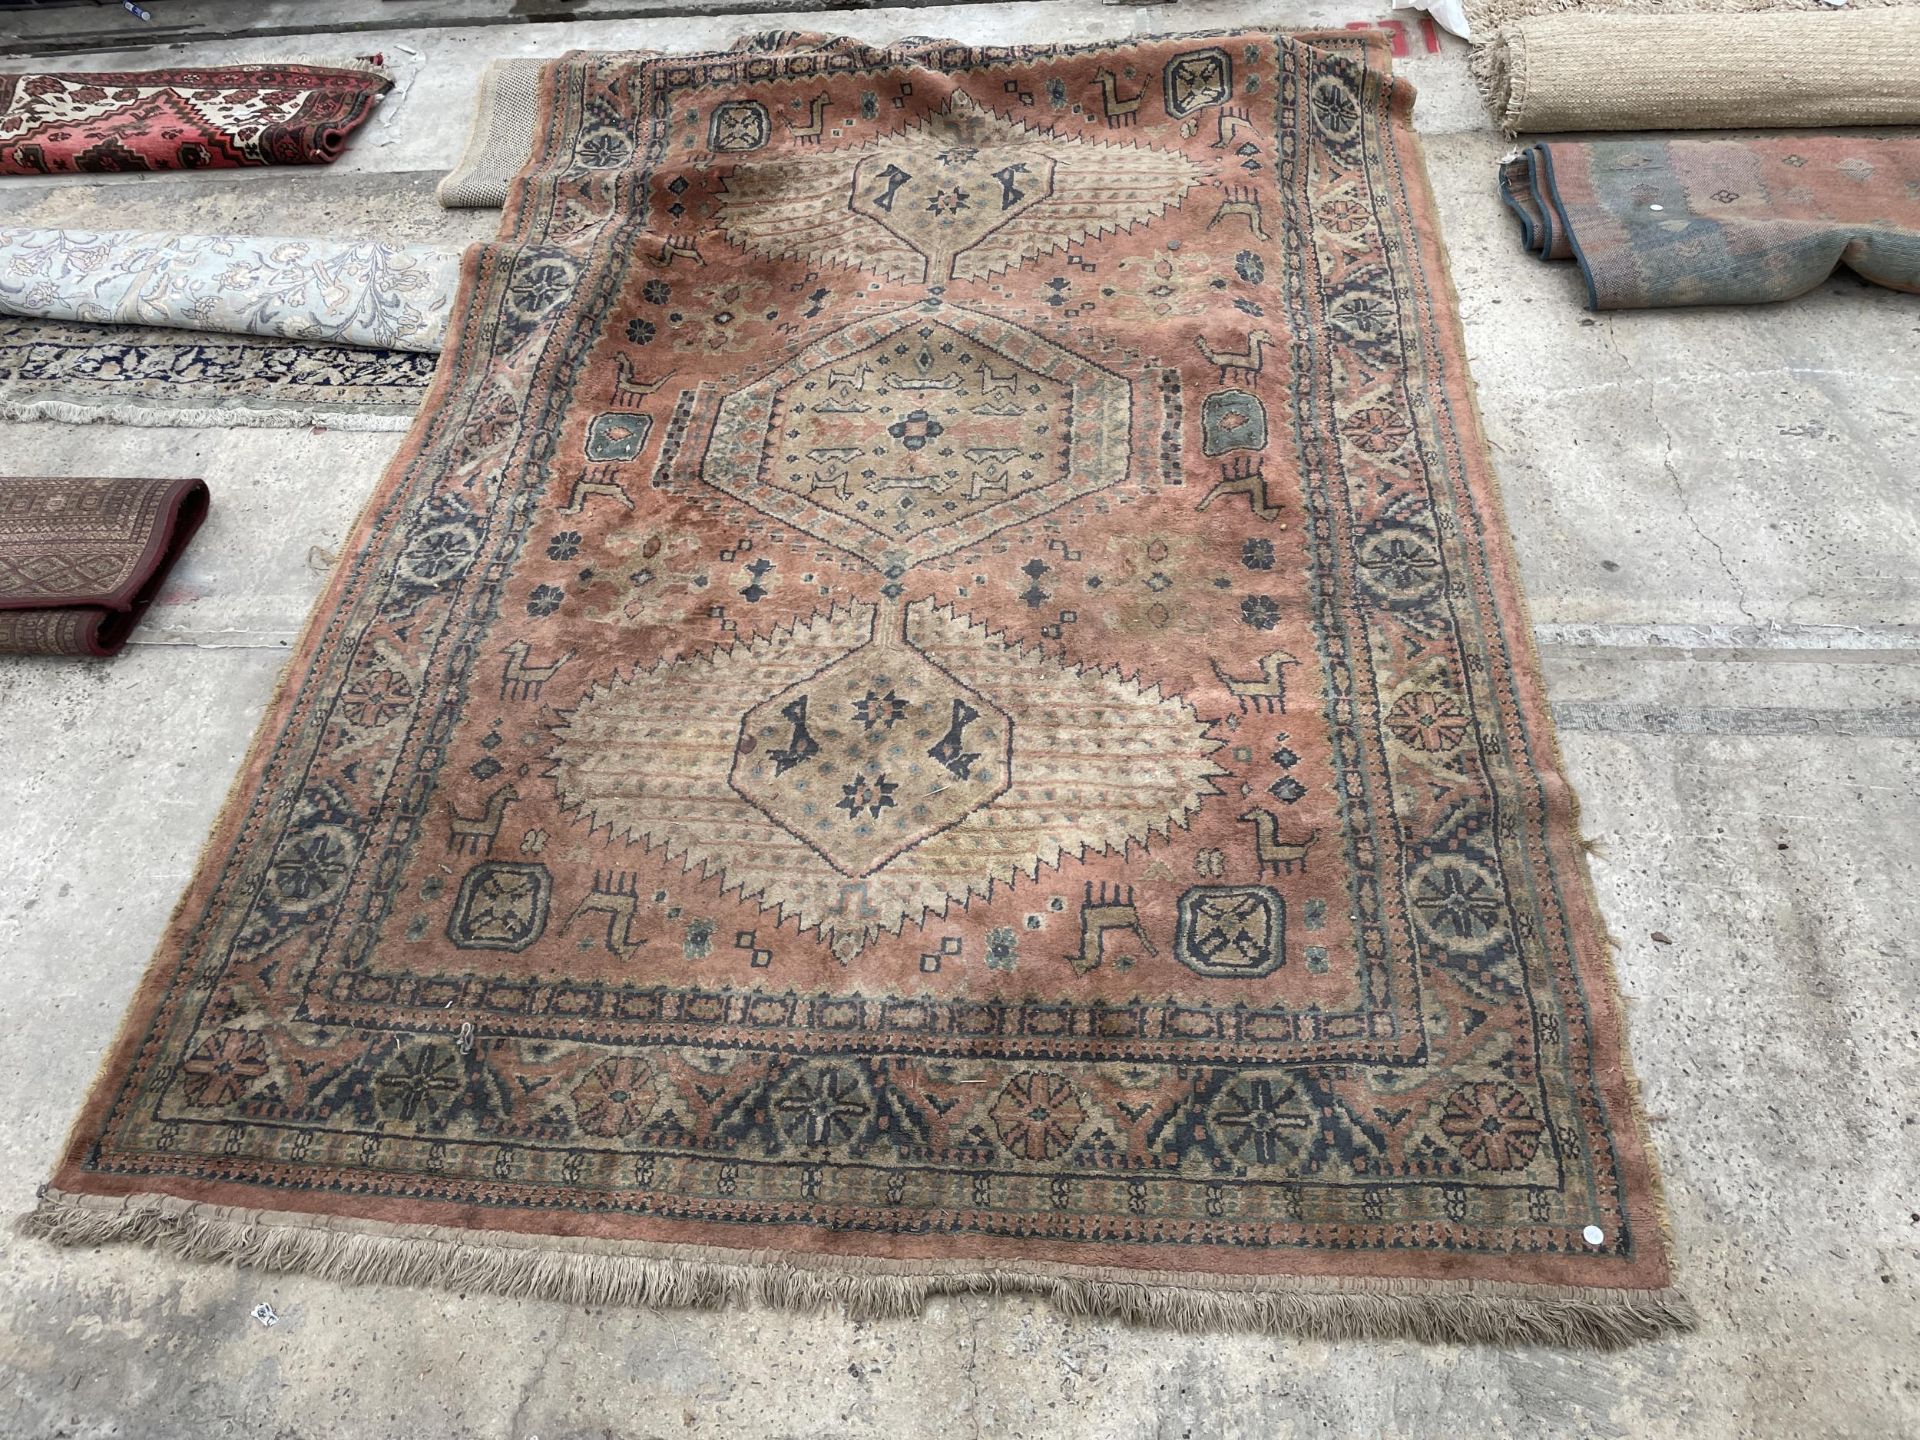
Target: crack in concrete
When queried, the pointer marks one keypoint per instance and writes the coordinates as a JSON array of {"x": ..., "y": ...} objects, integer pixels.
[
  {"x": 1686, "y": 510},
  {"x": 163, "y": 640},
  {"x": 1679, "y": 487},
  {"x": 973, "y": 1367},
  {"x": 536, "y": 1377}
]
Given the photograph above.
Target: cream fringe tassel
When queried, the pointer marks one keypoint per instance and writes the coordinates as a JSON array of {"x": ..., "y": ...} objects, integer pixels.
[
  {"x": 611, "y": 1273},
  {"x": 214, "y": 418},
  {"x": 1499, "y": 71}
]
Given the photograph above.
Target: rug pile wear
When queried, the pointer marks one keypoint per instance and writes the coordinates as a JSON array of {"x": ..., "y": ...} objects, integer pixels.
[
  {"x": 1656, "y": 222},
  {"x": 936, "y": 702},
  {"x": 81, "y": 560},
  {"x": 182, "y": 119}
]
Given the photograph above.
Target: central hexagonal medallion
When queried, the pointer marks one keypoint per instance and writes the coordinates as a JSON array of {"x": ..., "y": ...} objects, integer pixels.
[
  {"x": 875, "y": 753},
  {"x": 927, "y": 428},
  {"x": 921, "y": 432}
]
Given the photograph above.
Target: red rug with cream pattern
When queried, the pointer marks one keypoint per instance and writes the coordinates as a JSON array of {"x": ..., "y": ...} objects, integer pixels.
[
  {"x": 936, "y": 702},
  {"x": 182, "y": 119}
]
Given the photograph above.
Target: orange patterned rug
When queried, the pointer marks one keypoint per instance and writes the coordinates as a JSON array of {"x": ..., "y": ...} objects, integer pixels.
[{"x": 936, "y": 703}]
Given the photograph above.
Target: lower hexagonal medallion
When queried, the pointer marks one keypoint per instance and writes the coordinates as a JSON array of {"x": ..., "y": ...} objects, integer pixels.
[
  {"x": 876, "y": 763},
  {"x": 871, "y": 756}
]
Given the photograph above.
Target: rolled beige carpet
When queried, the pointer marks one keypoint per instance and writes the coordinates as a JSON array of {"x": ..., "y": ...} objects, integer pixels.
[
  {"x": 1578, "y": 71},
  {"x": 1487, "y": 16}
]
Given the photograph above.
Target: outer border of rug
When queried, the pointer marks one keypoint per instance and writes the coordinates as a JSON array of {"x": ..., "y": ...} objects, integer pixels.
[
  {"x": 239, "y": 400},
  {"x": 589, "y": 1270},
  {"x": 1598, "y": 965}
]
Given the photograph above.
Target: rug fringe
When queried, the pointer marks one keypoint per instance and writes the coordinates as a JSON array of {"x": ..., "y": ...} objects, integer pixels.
[
  {"x": 212, "y": 417},
  {"x": 1498, "y": 73},
  {"x": 524, "y": 1268}
]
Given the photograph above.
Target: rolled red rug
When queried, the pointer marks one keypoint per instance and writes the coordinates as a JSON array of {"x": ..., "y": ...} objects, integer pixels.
[
  {"x": 1662, "y": 220},
  {"x": 206, "y": 119},
  {"x": 80, "y": 560}
]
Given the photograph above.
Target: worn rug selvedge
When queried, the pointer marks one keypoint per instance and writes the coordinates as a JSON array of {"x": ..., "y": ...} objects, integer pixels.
[{"x": 935, "y": 703}]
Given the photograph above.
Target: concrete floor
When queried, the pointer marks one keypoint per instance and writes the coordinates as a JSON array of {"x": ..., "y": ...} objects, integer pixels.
[{"x": 1716, "y": 518}]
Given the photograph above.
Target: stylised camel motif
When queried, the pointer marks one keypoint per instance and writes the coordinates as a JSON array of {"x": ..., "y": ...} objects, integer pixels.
[
  {"x": 994, "y": 382},
  {"x": 585, "y": 489},
  {"x": 1241, "y": 201},
  {"x": 616, "y": 898},
  {"x": 1103, "y": 913},
  {"x": 1228, "y": 123},
  {"x": 1120, "y": 109},
  {"x": 1243, "y": 477},
  {"x": 1237, "y": 362},
  {"x": 809, "y": 133},
  {"x": 521, "y": 681},
  {"x": 1267, "y": 691},
  {"x": 627, "y": 388},
  {"x": 475, "y": 834},
  {"x": 1273, "y": 853}
]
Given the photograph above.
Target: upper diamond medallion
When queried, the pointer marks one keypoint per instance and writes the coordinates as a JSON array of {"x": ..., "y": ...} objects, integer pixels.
[{"x": 961, "y": 195}]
